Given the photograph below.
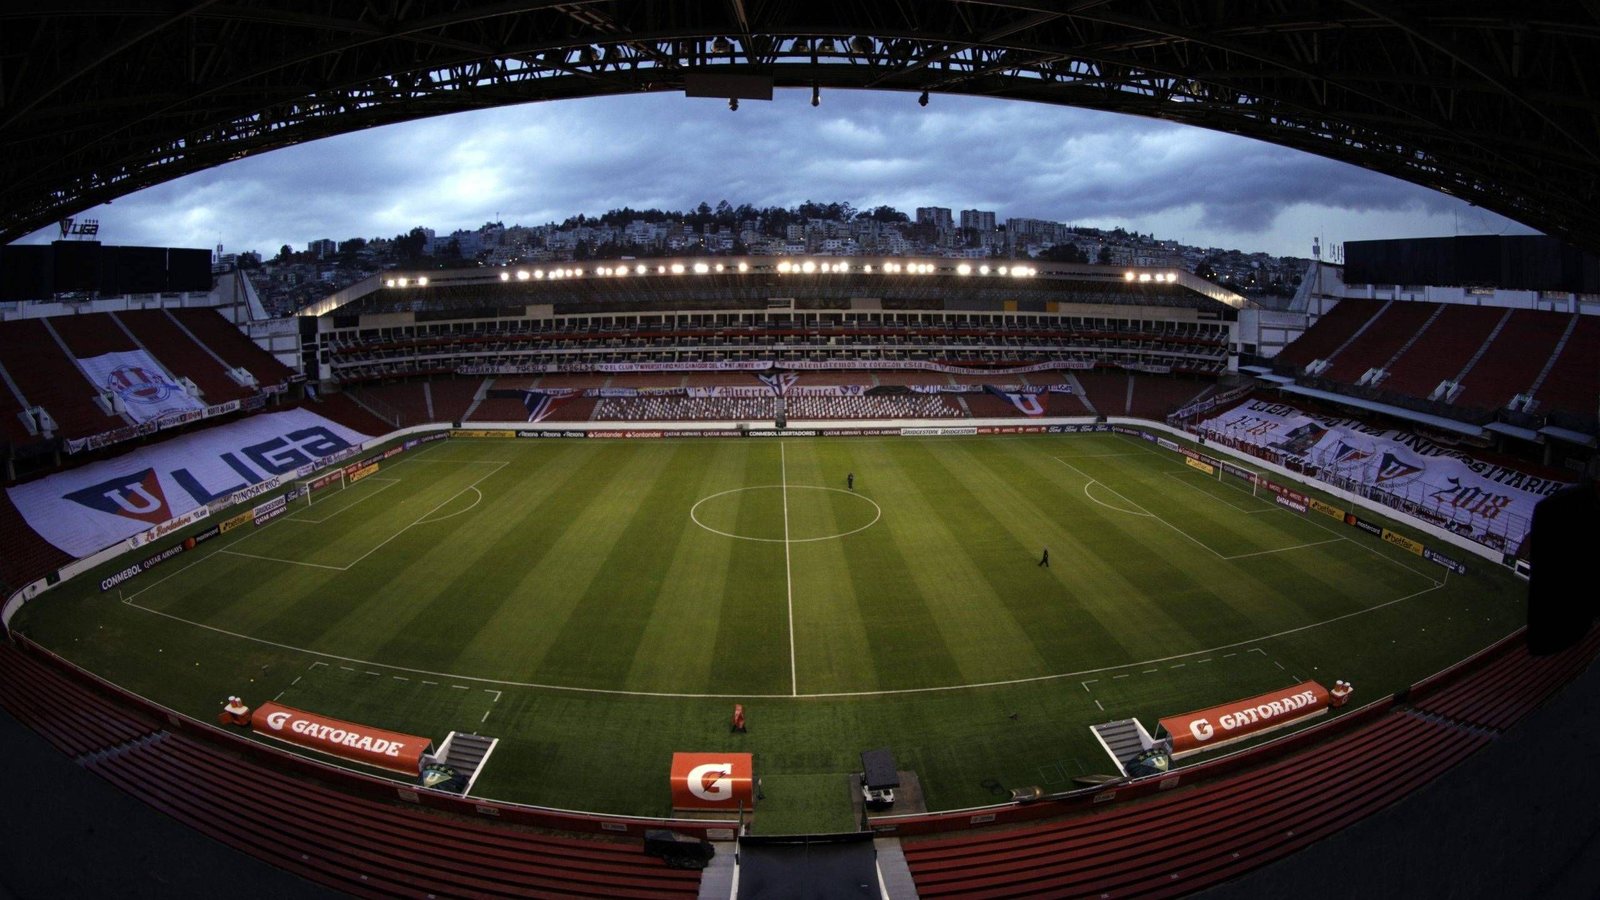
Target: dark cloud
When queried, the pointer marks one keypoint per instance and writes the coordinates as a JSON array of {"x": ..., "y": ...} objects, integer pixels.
[{"x": 538, "y": 163}]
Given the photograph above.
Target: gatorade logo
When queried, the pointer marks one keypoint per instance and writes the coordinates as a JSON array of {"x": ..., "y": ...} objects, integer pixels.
[
  {"x": 1201, "y": 729},
  {"x": 712, "y": 780},
  {"x": 275, "y": 720},
  {"x": 718, "y": 788}
]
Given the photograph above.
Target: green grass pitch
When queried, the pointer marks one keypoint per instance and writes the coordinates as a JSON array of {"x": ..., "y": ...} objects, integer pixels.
[{"x": 598, "y": 605}]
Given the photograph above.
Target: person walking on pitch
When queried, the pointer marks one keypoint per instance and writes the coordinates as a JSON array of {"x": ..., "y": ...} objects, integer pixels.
[{"x": 1045, "y": 559}]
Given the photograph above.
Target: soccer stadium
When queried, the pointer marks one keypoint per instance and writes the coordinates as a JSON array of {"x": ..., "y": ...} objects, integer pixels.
[{"x": 799, "y": 575}]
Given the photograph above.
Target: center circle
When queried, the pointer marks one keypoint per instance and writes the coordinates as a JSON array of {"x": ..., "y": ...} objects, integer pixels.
[{"x": 774, "y": 506}]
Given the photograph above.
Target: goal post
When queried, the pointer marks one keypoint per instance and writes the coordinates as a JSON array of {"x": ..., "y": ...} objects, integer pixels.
[{"x": 309, "y": 487}]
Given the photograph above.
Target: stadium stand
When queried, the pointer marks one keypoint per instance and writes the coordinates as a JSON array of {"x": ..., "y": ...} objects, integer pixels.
[
  {"x": 402, "y": 404},
  {"x": 1329, "y": 333},
  {"x": 1155, "y": 396},
  {"x": 27, "y": 556},
  {"x": 1572, "y": 384},
  {"x": 211, "y": 329},
  {"x": 355, "y": 845},
  {"x": 90, "y": 334},
  {"x": 452, "y": 397},
  {"x": 48, "y": 378},
  {"x": 1106, "y": 392},
  {"x": 1241, "y": 822},
  {"x": 177, "y": 350},
  {"x": 1451, "y": 342},
  {"x": 1513, "y": 361},
  {"x": 1387, "y": 332}
]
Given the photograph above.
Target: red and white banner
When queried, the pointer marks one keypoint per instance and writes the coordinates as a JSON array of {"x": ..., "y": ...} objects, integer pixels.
[
  {"x": 713, "y": 781},
  {"x": 1229, "y": 723},
  {"x": 1440, "y": 483},
  {"x": 148, "y": 392},
  {"x": 360, "y": 743}
]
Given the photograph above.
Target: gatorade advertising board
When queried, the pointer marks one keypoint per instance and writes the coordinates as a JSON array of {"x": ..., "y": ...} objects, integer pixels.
[
  {"x": 359, "y": 743},
  {"x": 1220, "y": 726},
  {"x": 719, "y": 781}
]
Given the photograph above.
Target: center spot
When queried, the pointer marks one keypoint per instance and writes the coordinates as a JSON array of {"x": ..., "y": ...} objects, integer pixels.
[{"x": 757, "y": 513}]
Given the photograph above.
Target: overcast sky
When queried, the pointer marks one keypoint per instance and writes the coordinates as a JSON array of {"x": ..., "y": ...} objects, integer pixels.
[{"x": 543, "y": 162}]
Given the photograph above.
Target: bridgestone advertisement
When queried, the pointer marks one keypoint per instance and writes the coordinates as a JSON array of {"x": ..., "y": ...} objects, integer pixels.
[
  {"x": 364, "y": 744},
  {"x": 1229, "y": 723}
]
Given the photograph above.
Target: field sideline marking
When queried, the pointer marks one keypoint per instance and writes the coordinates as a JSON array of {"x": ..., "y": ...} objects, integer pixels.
[
  {"x": 421, "y": 521},
  {"x": 387, "y": 483},
  {"x": 1147, "y": 514},
  {"x": 735, "y": 696},
  {"x": 1262, "y": 505},
  {"x": 1373, "y": 550},
  {"x": 788, "y": 574}
]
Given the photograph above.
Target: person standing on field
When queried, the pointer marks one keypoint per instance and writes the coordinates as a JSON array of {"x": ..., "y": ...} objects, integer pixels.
[{"x": 850, "y": 481}]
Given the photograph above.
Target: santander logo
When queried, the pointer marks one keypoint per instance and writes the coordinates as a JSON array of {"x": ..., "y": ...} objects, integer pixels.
[{"x": 718, "y": 788}]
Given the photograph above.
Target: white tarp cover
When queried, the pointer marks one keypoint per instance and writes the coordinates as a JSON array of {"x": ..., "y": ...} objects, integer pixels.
[
  {"x": 147, "y": 391},
  {"x": 83, "y": 510},
  {"x": 1449, "y": 483}
]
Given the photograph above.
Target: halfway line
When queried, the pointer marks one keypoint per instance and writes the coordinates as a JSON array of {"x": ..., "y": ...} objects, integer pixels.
[{"x": 788, "y": 575}]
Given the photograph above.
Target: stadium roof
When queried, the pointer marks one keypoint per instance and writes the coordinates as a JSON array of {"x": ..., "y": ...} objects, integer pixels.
[{"x": 1488, "y": 101}]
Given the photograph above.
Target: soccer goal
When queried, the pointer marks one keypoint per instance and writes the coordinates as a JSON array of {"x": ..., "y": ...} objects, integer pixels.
[{"x": 310, "y": 487}]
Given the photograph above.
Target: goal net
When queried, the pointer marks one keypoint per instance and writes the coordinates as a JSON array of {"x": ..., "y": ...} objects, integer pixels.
[{"x": 309, "y": 488}]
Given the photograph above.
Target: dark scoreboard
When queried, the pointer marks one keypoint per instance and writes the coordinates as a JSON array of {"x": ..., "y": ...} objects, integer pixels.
[{"x": 41, "y": 271}]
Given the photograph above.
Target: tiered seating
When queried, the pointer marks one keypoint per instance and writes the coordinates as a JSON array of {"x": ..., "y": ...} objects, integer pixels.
[
  {"x": 360, "y": 846},
  {"x": 1154, "y": 396},
  {"x": 1513, "y": 361},
  {"x": 11, "y": 427},
  {"x": 988, "y": 406},
  {"x": 51, "y": 380},
  {"x": 1387, "y": 334},
  {"x": 892, "y": 406},
  {"x": 1450, "y": 342},
  {"x": 76, "y": 720},
  {"x": 575, "y": 409},
  {"x": 230, "y": 343},
  {"x": 452, "y": 396},
  {"x": 343, "y": 410},
  {"x": 180, "y": 354},
  {"x": 1107, "y": 391},
  {"x": 647, "y": 379},
  {"x": 401, "y": 402},
  {"x": 911, "y": 376},
  {"x": 27, "y": 556},
  {"x": 1229, "y": 826},
  {"x": 91, "y": 335},
  {"x": 1244, "y": 821},
  {"x": 1330, "y": 332},
  {"x": 1506, "y": 688},
  {"x": 1573, "y": 385}
]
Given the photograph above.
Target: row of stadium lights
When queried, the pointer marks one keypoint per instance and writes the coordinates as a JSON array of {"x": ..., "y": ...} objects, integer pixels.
[
  {"x": 785, "y": 267},
  {"x": 1143, "y": 277}
]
